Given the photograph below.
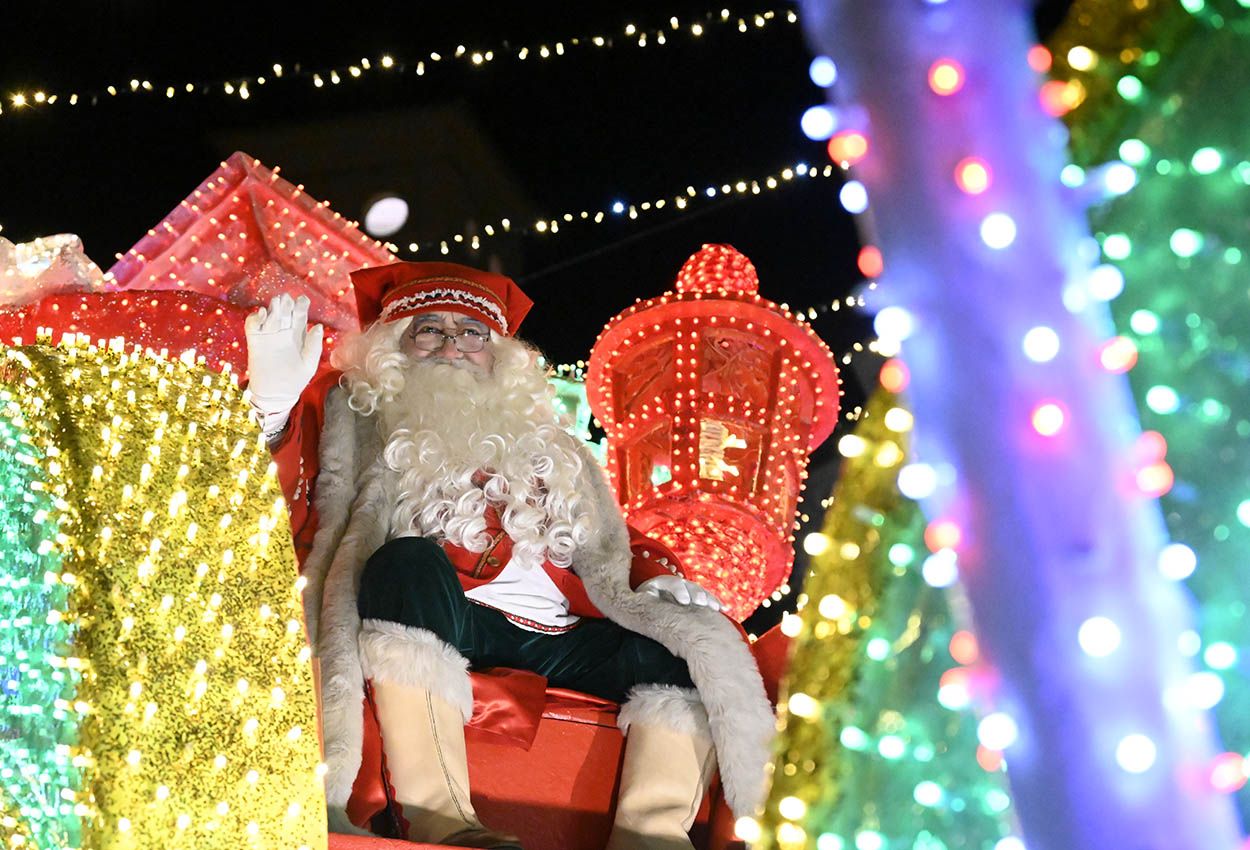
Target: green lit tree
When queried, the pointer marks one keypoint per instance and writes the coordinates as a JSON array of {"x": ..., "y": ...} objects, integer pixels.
[
  {"x": 1161, "y": 87},
  {"x": 879, "y": 748}
]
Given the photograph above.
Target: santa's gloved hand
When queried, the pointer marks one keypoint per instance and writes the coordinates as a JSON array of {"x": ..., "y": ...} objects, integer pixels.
[
  {"x": 679, "y": 590},
  {"x": 282, "y": 357}
]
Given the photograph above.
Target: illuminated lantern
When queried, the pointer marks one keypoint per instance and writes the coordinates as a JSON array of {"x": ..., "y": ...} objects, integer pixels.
[{"x": 712, "y": 398}]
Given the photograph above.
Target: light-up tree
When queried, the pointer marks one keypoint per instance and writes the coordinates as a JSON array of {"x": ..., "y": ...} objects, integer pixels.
[
  {"x": 878, "y": 747},
  {"x": 1033, "y": 443},
  {"x": 1159, "y": 89}
]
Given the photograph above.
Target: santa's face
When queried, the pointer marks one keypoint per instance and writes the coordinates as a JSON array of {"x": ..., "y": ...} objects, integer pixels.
[{"x": 439, "y": 336}]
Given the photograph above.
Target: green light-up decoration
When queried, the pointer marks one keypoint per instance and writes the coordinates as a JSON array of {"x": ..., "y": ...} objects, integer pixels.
[
  {"x": 39, "y": 783},
  {"x": 1186, "y": 302},
  {"x": 869, "y": 755}
]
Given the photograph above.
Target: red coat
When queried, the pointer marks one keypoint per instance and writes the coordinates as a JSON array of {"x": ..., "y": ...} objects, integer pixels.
[{"x": 296, "y": 454}]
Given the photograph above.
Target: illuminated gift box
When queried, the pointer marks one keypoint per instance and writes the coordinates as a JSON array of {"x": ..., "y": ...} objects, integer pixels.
[
  {"x": 712, "y": 398},
  {"x": 155, "y": 677}
]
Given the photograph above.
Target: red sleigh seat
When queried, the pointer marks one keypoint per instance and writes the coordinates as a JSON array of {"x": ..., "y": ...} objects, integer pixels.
[{"x": 560, "y": 793}]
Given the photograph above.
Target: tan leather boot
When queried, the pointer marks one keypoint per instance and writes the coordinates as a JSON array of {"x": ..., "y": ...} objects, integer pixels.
[
  {"x": 423, "y": 737},
  {"x": 663, "y": 780}
]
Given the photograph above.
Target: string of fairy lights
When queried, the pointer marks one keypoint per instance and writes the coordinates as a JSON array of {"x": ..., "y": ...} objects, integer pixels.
[{"x": 674, "y": 30}]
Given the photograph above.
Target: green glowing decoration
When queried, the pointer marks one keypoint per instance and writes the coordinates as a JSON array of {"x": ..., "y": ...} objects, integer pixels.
[
  {"x": 868, "y": 753},
  {"x": 1185, "y": 302},
  {"x": 39, "y": 783}
]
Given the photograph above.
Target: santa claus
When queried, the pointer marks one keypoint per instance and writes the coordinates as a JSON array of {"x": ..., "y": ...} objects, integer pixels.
[{"x": 446, "y": 521}]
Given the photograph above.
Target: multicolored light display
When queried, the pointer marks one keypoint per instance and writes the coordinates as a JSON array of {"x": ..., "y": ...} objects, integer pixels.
[
  {"x": 878, "y": 746},
  {"x": 156, "y": 679},
  {"x": 1034, "y": 446},
  {"x": 1161, "y": 98}
]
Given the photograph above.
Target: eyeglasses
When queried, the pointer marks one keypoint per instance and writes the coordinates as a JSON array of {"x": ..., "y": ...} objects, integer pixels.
[{"x": 466, "y": 340}]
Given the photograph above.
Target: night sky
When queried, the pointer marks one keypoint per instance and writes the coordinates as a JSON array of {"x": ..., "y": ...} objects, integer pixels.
[{"x": 577, "y": 132}]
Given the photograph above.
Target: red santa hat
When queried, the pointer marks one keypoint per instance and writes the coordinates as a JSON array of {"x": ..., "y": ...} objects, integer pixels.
[{"x": 402, "y": 289}]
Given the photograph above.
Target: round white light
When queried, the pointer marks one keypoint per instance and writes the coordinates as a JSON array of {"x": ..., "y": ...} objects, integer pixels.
[
  {"x": 823, "y": 71},
  {"x": 1105, "y": 282},
  {"x": 917, "y": 481},
  {"x": 1136, "y": 753},
  {"x": 1177, "y": 561},
  {"x": 1205, "y": 690},
  {"x": 816, "y": 543},
  {"x": 854, "y": 197},
  {"x": 829, "y": 841},
  {"x": 1220, "y": 656},
  {"x": 927, "y": 793},
  {"x": 998, "y": 230},
  {"x": 954, "y": 697},
  {"x": 891, "y": 747},
  {"x": 1099, "y": 636},
  {"x": 1072, "y": 176},
  {"x": 818, "y": 123},
  {"x": 869, "y": 840},
  {"x": 1134, "y": 151},
  {"x": 1243, "y": 512},
  {"x": 997, "y": 731},
  {"x": 1041, "y": 344},
  {"x": 1162, "y": 399},
  {"x": 1117, "y": 246},
  {"x": 852, "y": 445},
  {"x": 899, "y": 420},
  {"x": 900, "y": 554},
  {"x": 1119, "y": 178},
  {"x": 1075, "y": 297},
  {"x": 1206, "y": 160},
  {"x": 748, "y": 829},
  {"x": 940, "y": 568},
  {"x": 1185, "y": 242},
  {"x": 1143, "y": 322},
  {"x": 1010, "y": 843},
  {"x": 894, "y": 323},
  {"x": 386, "y": 216},
  {"x": 1189, "y": 643},
  {"x": 792, "y": 808}
]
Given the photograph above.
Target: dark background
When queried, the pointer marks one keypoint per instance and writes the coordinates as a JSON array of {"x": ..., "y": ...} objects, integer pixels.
[{"x": 461, "y": 144}]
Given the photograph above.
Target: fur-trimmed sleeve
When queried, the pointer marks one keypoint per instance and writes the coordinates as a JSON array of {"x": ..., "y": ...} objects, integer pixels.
[
  {"x": 607, "y": 556},
  {"x": 335, "y": 490}
]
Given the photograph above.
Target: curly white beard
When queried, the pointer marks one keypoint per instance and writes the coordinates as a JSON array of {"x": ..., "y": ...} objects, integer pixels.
[{"x": 460, "y": 439}]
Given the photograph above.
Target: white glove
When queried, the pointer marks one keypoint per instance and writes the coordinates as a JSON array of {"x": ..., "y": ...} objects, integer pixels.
[
  {"x": 282, "y": 357},
  {"x": 680, "y": 591}
]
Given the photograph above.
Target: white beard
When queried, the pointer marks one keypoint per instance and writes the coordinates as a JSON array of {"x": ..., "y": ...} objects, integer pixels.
[{"x": 451, "y": 424}]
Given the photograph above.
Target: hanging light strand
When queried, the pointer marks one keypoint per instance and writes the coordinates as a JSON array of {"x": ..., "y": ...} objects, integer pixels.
[{"x": 674, "y": 30}]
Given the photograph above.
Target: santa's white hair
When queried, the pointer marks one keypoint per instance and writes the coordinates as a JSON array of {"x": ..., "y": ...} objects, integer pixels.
[{"x": 461, "y": 438}]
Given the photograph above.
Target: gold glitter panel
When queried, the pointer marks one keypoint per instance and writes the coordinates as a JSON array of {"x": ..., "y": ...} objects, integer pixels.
[{"x": 196, "y": 714}]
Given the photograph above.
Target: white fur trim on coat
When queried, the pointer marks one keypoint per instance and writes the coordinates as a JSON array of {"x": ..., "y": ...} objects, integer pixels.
[
  {"x": 416, "y": 658},
  {"x": 355, "y": 520},
  {"x": 665, "y": 706}
]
